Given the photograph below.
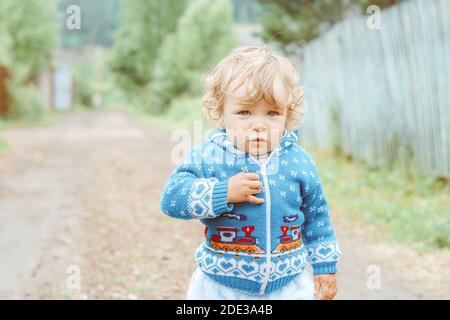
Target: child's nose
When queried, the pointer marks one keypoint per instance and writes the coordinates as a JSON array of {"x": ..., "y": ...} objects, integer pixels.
[{"x": 259, "y": 125}]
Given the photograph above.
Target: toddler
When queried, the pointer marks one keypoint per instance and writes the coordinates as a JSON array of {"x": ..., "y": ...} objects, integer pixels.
[{"x": 254, "y": 188}]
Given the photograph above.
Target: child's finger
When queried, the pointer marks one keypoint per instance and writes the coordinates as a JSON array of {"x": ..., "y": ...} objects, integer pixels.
[
  {"x": 251, "y": 176},
  {"x": 331, "y": 294},
  {"x": 252, "y": 191},
  {"x": 255, "y": 200},
  {"x": 328, "y": 293},
  {"x": 316, "y": 286},
  {"x": 255, "y": 184}
]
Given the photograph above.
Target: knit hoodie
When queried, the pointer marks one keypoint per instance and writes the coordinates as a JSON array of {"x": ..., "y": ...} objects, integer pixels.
[{"x": 244, "y": 240}]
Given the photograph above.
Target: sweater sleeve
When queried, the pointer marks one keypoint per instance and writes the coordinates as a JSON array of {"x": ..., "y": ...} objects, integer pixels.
[
  {"x": 317, "y": 231},
  {"x": 188, "y": 194}
]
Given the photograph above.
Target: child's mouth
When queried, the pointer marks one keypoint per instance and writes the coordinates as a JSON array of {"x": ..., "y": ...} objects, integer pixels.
[{"x": 257, "y": 140}]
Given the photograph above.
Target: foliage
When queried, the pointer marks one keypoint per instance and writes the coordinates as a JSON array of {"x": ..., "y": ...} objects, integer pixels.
[
  {"x": 26, "y": 102},
  {"x": 299, "y": 21},
  {"x": 27, "y": 39},
  {"x": 84, "y": 84},
  {"x": 197, "y": 44},
  {"x": 145, "y": 25},
  {"x": 28, "y": 31}
]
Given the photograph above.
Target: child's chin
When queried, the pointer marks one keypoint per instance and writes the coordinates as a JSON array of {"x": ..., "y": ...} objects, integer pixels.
[{"x": 257, "y": 151}]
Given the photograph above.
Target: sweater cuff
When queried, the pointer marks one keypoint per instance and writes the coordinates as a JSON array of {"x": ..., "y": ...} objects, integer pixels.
[
  {"x": 324, "y": 268},
  {"x": 219, "y": 198}
]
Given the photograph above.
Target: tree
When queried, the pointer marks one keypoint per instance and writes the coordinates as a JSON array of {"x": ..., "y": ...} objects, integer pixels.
[
  {"x": 27, "y": 39},
  {"x": 30, "y": 30},
  {"x": 203, "y": 36},
  {"x": 144, "y": 27},
  {"x": 299, "y": 21}
]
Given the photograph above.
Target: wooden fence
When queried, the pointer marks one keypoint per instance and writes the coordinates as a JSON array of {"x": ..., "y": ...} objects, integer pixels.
[{"x": 382, "y": 95}]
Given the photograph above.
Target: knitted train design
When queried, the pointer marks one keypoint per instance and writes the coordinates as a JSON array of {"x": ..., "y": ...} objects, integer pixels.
[{"x": 228, "y": 239}]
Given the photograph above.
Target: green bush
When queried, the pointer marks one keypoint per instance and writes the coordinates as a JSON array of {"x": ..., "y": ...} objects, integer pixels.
[
  {"x": 145, "y": 25},
  {"x": 84, "y": 84},
  {"x": 198, "y": 43},
  {"x": 26, "y": 102},
  {"x": 28, "y": 33}
]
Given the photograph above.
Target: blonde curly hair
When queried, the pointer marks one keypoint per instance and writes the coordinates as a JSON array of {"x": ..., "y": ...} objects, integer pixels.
[{"x": 261, "y": 70}]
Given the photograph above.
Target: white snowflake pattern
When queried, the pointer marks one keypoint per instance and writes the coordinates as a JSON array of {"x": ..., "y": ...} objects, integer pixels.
[
  {"x": 294, "y": 173},
  {"x": 281, "y": 177},
  {"x": 321, "y": 209},
  {"x": 292, "y": 188},
  {"x": 283, "y": 194}
]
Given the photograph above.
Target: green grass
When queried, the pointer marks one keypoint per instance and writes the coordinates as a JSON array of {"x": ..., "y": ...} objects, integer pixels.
[
  {"x": 4, "y": 147},
  {"x": 414, "y": 209}
]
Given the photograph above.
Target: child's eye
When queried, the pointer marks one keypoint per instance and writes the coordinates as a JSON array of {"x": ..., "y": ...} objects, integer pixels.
[
  {"x": 244, "y": 113},
  {"x": 272, "y": 113}
]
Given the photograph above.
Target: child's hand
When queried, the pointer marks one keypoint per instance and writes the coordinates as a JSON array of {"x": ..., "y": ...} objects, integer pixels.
[
  {"x": 325, "y": 283},
  {"x": 242, "y": 187}
]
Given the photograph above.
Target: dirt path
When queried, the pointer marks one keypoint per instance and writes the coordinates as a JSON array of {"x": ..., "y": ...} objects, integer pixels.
[{"x": 85, "y": 193}]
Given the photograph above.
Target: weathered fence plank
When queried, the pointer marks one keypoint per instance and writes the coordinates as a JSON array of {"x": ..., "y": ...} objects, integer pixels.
[{"x": 382, "y": 95}]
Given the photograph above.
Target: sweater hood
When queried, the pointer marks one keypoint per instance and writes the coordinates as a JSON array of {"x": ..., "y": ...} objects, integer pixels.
[{"x": 220, "y": 137}]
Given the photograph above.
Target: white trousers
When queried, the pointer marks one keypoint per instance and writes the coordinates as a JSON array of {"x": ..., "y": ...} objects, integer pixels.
[{"x": 202, "y": 287}]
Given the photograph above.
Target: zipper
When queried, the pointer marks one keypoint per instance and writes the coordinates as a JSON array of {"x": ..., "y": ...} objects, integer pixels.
[{"x": 263, "y": 168}]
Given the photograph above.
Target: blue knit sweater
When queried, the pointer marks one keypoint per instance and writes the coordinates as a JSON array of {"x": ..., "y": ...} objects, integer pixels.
[{"x": 243, "y": 240}]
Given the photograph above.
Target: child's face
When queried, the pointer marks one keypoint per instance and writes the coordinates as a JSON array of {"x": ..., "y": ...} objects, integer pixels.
[{"x": 245, "y": 123}]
